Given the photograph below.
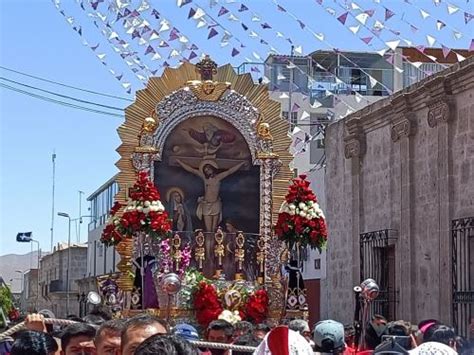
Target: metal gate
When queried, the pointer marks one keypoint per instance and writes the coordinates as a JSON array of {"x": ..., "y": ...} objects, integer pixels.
[
  {"x": 377, "y": 261},
  {"x": 462, "y": 232}
]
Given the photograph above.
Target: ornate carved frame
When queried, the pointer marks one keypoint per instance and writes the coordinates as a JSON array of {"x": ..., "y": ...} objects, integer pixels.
[{"x": 178, "y": 95}]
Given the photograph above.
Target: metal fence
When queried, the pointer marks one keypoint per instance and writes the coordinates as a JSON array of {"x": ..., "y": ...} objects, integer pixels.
[{"x": 462, "y": 234}]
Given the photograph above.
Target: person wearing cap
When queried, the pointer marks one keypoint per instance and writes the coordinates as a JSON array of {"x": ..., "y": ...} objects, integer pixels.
[
  {"x": 186, "y": 331},
  {"x": 328, "y": 337}
]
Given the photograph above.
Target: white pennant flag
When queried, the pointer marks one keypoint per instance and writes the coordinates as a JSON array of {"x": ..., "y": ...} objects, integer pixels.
[
  {"x": 174, "y": 53},
  {"x": 296, "y": 130},
  {"x": 339, "y": 81},
  {"x": 378, "y": 25},
  {"x": 452, "y": 9},
  {"x": 431, "y": 40},
  {"x": 460, "y": 57},
  {"x": 362, "y": 18},
  {"x": 281, "y": 77},
  {"x": 144, "y": 23},
  {"x": 199, "y": 13},
  {"x": 141, "y": 77},
  {"x": 358, "y": 98},
  {"x": 255, "y": 18},
  {"x": 101, "y": 56},
  {"x": 305, "y": 115},
  {"x": 224, "y": 43},
  {"x": 265, "y": 80},
  {"x": 142, "y": 41},
  {"x": 424, "y": 14},
  {"x": 183, "y": 39},
  {"x": 316, "y": 104},
  {"x": 156, "y": 56},
  {"x": 281, "y": 35},
  {"x": 126, "y": 85},
  {"x": 201, "y": 23},
  {"x": 457, "y": 34},
  {"x": 373, "y": 81},
  {"x": 398, "y": 69},
  {"x": 354, "y": 29},
  {"x": 299, "y": 50},
  {"x": 255, "y": 54},
  {"x": 284, "y": 96},
  {"x": 408, "y": 42},
  {"x": 355, "y": 6},
  {"x": 252, "y": 34},
  {"x": 291, "y": 65},
  {"x": 392, "y": 44},
  {"x": 432, "y": 57},
  {"x": 319, "y": 36},
  {"x": 131, "y": 30},
  {"x": 417, "y": 64},
  {"x": 164, "y": 26},
  {"x": 154, "y": 36},
  {"x": 113, "y": 35},
  {"x": 232, "y": 17}
]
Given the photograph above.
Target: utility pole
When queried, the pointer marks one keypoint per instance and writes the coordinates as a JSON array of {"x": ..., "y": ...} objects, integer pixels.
[
  {"x": 52, "y": 204},
  {"x": 80, "y": 216},
  {"x": 290, "y": 88}
]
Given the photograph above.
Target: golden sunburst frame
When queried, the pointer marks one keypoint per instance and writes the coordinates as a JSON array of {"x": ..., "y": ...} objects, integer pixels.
[{"x": 203, "y": 89}]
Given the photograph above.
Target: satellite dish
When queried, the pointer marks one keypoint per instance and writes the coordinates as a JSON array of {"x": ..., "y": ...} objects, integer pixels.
[{"x": 93, "y": 298}]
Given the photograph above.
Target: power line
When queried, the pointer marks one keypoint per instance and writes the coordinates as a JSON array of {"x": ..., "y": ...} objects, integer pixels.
[
  {"x": 59, "y": 102},
  {"x": 61, "y": 95},
  {"x": 66, "y": 85}
]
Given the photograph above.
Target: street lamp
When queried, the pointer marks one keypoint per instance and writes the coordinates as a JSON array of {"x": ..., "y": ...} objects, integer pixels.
[{"x": 65, "y": 215}]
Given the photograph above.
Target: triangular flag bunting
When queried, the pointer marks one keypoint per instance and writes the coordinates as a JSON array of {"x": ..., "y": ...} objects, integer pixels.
[
  {"x": 281, "y": 8},
  {"x": 460, "y": 57},
  {"x": 457, "y": 35},
  {"x": 253, "y": 34},
  {"x": 413, "y": 29},
  {"x": 367, "y": 40},
  {"x": 281, "y": 77},
  {"x": 243, "y": 8},
  {"x": 342, "y": 19},
  {"x": 354, "y": 29},
  {"x": 295, "y": 107},
  {"x": 222, "y": 11},
  {"x": 446, "y": 51},
  {"x": 373, "y": 81},
  {"x": 232, "y": 17},
  {"x": 370, "y": 12},
  {"x": 362, "y": 18},
  {"x": 440, "y": 24},
  {"x": 234, "y": 52},
  {"x": 431, "y": 40},
  {"x": 174, "y": 34},
  {"x": 452, "y": 9},
  {"x": 392, "y": 44},
  {"x": 191, "y": 13},
  {"x": 283, "y": 96},
  {"x": 164, "y": 26},
  {"x": 256, "y": 55},
  {"x": 417, "y": 64},
  {"x": 319, "y": 36},
  {"x": 355, "y": 6},
  {"x": 316, "y": 104},
  {"x": 424, "y": 14},
  {"x": 156, "y": 56},
  {"x": 255, "y": 18},
  {"x": 468, "y": 17},
  {"x": 302, "y": 25},
  {"x": 199, "y": 13},
  {"x": 212, "y": 33},
  {"x": 201, "y": 24},
  {"x": 265, "y": 26},
  {"x": 330, "y": 11},
  {"x": 299, "y": 50},
  {"x": 305, "y": 115},
  {"x": 154, "y": 35},
  {"x": 388, "y": 14}
]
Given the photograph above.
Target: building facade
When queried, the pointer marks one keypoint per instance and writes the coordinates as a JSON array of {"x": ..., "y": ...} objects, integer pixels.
[
  {"x": 53, "y": 276},
  {"x": 29, "y": 295},
  {"x": 400, "y": 202}
]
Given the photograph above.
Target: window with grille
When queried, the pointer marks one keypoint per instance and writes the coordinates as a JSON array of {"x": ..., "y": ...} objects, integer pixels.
[{"x": 293, "y": 121}]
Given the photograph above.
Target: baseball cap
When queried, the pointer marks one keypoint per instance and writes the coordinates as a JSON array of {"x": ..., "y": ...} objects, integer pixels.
[
  {"x": 186, "y": 331},
  {"x": 328, "y": 330}
]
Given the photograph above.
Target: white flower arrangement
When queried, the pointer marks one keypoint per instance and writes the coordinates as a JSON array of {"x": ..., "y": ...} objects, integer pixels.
[
  {"x": 309, "y": 209},
  {"x": 229, "y": 316}
]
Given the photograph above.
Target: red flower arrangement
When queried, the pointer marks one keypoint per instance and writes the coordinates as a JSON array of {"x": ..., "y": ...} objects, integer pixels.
[
  {"x": 206, "y": 304},
  {"x": 256, "y": 308},
  {"x": 301, "y": 220},
  {"x": 144, "y": 212},
  {"x": 209, "y": 306}
]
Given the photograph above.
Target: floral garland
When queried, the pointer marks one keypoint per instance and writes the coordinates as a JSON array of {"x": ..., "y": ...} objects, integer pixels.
[
  {"x": 168, "y": 261},
  {"x": 209, "y": 305},
  {"x": 143, "y": 213},
  {"x": 301, "y": 220}
]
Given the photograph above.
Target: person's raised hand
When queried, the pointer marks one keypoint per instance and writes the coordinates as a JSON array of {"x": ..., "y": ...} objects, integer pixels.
[{"x": 35, "y": 321}]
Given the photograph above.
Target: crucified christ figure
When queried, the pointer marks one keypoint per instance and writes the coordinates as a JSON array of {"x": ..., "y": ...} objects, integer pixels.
[{"x": 210, "y": 205}]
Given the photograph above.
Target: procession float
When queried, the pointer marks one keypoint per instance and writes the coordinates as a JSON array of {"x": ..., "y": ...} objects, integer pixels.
[{"x": 209, "y": 220}]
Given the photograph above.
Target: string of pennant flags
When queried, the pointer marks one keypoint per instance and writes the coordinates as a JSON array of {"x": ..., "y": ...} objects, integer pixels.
[{"x": 78, "y": 28}]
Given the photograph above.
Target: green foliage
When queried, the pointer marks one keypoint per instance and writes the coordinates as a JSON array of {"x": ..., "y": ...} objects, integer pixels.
[{"x": 6, "y": 299}]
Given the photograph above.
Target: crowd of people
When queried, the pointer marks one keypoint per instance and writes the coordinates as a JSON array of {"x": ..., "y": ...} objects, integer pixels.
[{"x": 98, "y": 333}]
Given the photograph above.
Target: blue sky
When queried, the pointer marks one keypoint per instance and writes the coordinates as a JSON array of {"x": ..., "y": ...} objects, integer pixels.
[{"x": 37, "y": 40}]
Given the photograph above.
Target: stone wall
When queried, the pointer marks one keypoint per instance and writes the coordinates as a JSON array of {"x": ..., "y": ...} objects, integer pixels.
[{"x": 405, "y": 163}]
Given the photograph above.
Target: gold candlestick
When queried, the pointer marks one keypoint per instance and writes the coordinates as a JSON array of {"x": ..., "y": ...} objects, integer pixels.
[
  {"x": 199, "y": 251},
  {"x": 239, "y": 252},
  {"x": 219, "y": 249}
]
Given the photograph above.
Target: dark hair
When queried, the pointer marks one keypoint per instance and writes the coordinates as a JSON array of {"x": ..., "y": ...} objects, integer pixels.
[
  {"x": 113, "y": 326},
  {"x": 244, "y": 326},
  {"x": 166, "y": 344},
  {"x": 246, "y": 340},
  {"x": 94, "y": 320},
  {"x": 264, "y": 327},
  {"x": 298, "y": 325},
  {"x": 101, "y": 311},
  {"x": 443, "y": 334},
  {"x": 34, "y": 343},
  {"x": 74, "y": 318},
  {"x": 221, "y": 324},
  {"x": 76, "y": 330},
  {"x": 327, "y": 346},
  {"x": 141, "y": 320},
  {"x": 463, "y": 346}
]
